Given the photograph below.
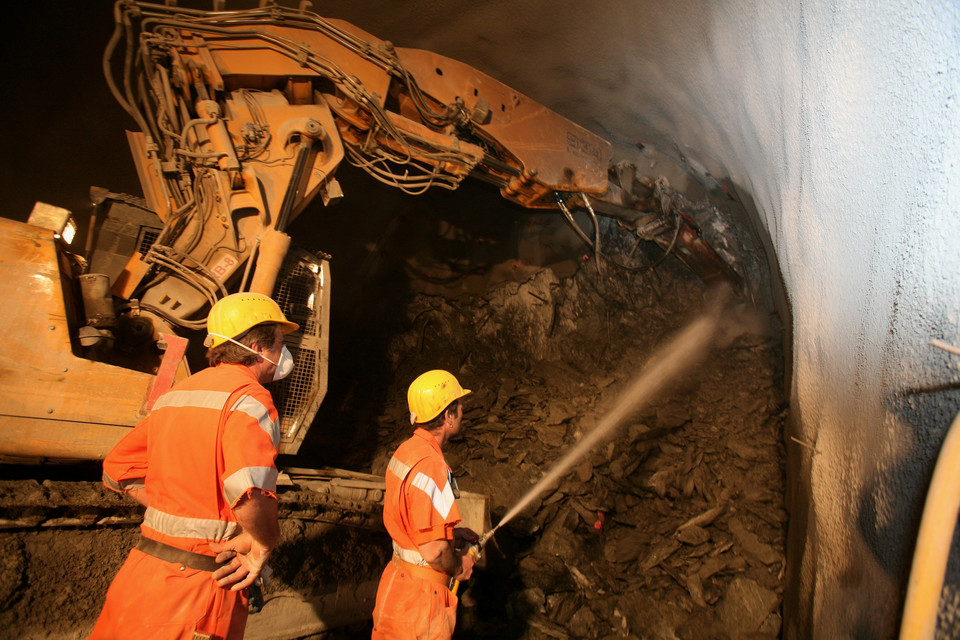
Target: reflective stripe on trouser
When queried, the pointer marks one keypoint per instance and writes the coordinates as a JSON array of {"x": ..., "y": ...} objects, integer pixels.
[
  {"x": 412, "y": 609},
  {"x": 150, "y": 599}
]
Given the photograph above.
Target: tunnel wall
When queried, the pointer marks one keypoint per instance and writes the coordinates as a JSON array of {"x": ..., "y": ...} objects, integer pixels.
[
  {"x": 840, "y": 121},
  {"x": 837, "y": 122}
]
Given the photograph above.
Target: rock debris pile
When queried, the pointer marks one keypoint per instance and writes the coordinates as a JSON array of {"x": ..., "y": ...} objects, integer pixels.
[{"x": 675, "y": 527}]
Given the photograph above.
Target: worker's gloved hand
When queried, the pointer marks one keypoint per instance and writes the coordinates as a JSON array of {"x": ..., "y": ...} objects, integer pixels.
[
  {"x": 468, "y": 558},
  {"x": 462, "y": 537},
  {"x": 245, "y": 561}
]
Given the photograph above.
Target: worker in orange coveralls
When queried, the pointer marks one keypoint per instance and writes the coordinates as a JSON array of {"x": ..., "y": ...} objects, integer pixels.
[
  {"x": 203, "y": 463},
  {"x": 414, "y": 599}
]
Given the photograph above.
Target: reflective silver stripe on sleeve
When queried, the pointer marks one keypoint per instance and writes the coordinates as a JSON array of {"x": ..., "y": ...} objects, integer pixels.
[
  {"x": 110, "y": 482},
  {"x": 237, "y": 484},
  {"x": 131, "y": 484},
  {"x": 182, "y": 527},
  {"x": 195, "y": 399},
  {"x": 442, "y": 499},
  {"x": 398, "y": 469},
  {"x": 124, "y": 485},
  {"x": 255, "y": 409},
  {"x": 408, "y": 555}
]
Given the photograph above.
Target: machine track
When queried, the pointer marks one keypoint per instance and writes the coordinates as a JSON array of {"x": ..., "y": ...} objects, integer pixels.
[{"x": 327, "y": 495}]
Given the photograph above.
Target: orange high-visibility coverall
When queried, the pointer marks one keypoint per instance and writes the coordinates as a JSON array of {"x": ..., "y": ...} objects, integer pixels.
[
  {"x": 419, "y": 507},
  {"x": 207, "y": 442}
]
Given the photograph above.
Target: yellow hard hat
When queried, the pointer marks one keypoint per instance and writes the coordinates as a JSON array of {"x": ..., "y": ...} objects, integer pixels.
[
  {"x": 430, "y": 394},
  {"x": 236, "y": 313}
]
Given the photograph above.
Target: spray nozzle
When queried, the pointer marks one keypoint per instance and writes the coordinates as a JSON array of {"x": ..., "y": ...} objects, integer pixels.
[{"x": 483, "y": 539}]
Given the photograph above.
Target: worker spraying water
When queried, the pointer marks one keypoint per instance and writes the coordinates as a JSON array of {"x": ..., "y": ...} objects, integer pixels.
[{"x": 665, "y": 366}]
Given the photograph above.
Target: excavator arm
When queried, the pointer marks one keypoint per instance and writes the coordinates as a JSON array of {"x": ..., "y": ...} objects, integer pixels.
[{"x": 246, "y": 115}]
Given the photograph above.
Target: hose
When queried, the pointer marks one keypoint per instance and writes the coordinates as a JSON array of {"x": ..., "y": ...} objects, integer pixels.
[
  {"x": 596, "y": 232},
  {"x": 118, "y": 32},
  {"x": 576, "y": 228},
  {"x": 933, "y": 541},
  {"x": 595, "y": 244}
]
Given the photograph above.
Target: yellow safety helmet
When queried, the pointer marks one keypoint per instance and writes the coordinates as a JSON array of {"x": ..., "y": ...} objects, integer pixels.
[
  {"x": 236, "y": 313},
  {"x": 430, "y": 394}
]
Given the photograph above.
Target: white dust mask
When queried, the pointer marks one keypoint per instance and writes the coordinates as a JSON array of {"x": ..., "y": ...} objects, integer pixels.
[{"x": 283, "y": 367}]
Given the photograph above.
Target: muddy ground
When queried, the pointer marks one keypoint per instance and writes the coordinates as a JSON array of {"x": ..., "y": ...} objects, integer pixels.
[{"x": 673, "y": 527}]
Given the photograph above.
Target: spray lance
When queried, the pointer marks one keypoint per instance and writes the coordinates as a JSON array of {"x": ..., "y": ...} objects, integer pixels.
[
  {"x": 687, "y": 348},
  {"x": 474, "y": 549}
]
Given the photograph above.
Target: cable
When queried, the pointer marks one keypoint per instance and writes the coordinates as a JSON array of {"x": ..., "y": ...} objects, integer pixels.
[
  {"x": 410, "y": 184},
  {"x": 215, "y": 27},
  {"x": 156, "y": 256},
  {"x": 196, "y": 325},
  {"x": 573, "y": 224},
  {"x": 596, "y": 232},
  {"x": 595, "y": 246}
]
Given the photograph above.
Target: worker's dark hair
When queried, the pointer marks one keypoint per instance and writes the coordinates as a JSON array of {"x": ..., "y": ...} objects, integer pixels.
[
  {"x": 263, "y": 334},
  {"x": 437, "y": 422}
]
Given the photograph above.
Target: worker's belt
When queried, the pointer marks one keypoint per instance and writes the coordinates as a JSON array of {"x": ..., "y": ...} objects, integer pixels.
[
  {"x": 424, "y": 573},
  {"x": 168, "y": 553}
]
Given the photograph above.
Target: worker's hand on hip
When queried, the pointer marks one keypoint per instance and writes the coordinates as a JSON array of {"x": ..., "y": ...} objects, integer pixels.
[
  {"x": 467, "y": 560},
  {"x": 245, "y": 561}
]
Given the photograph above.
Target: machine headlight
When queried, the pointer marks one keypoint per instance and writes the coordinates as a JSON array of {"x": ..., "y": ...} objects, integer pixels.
[{"x": 56, "y": 219}]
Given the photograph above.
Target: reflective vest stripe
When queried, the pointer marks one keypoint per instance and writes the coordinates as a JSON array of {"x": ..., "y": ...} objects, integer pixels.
[
  {"x": 239, "y": 482},
  {"x": 123, "y": 485},
  {"x": 398, "y": 468},
  {"x": 408, "y": 555},
  {"x": 196, "y": 399},
  {"x": 253, "y": 408},
  {"x": 216, "y": 400},
  {"x": 181, "y": 527},
  {"x": 442, "y": 499}
]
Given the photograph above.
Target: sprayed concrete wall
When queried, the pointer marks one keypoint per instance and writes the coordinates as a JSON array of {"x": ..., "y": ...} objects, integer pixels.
[{"x": 839, "y": 121}]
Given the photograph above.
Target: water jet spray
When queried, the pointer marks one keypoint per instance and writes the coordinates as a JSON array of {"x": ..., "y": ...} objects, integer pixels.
[{"x": 664, "y": 366}]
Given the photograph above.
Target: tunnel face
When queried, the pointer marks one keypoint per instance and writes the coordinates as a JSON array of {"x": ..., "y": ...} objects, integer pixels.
[{"x": 832, "y": 126}]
